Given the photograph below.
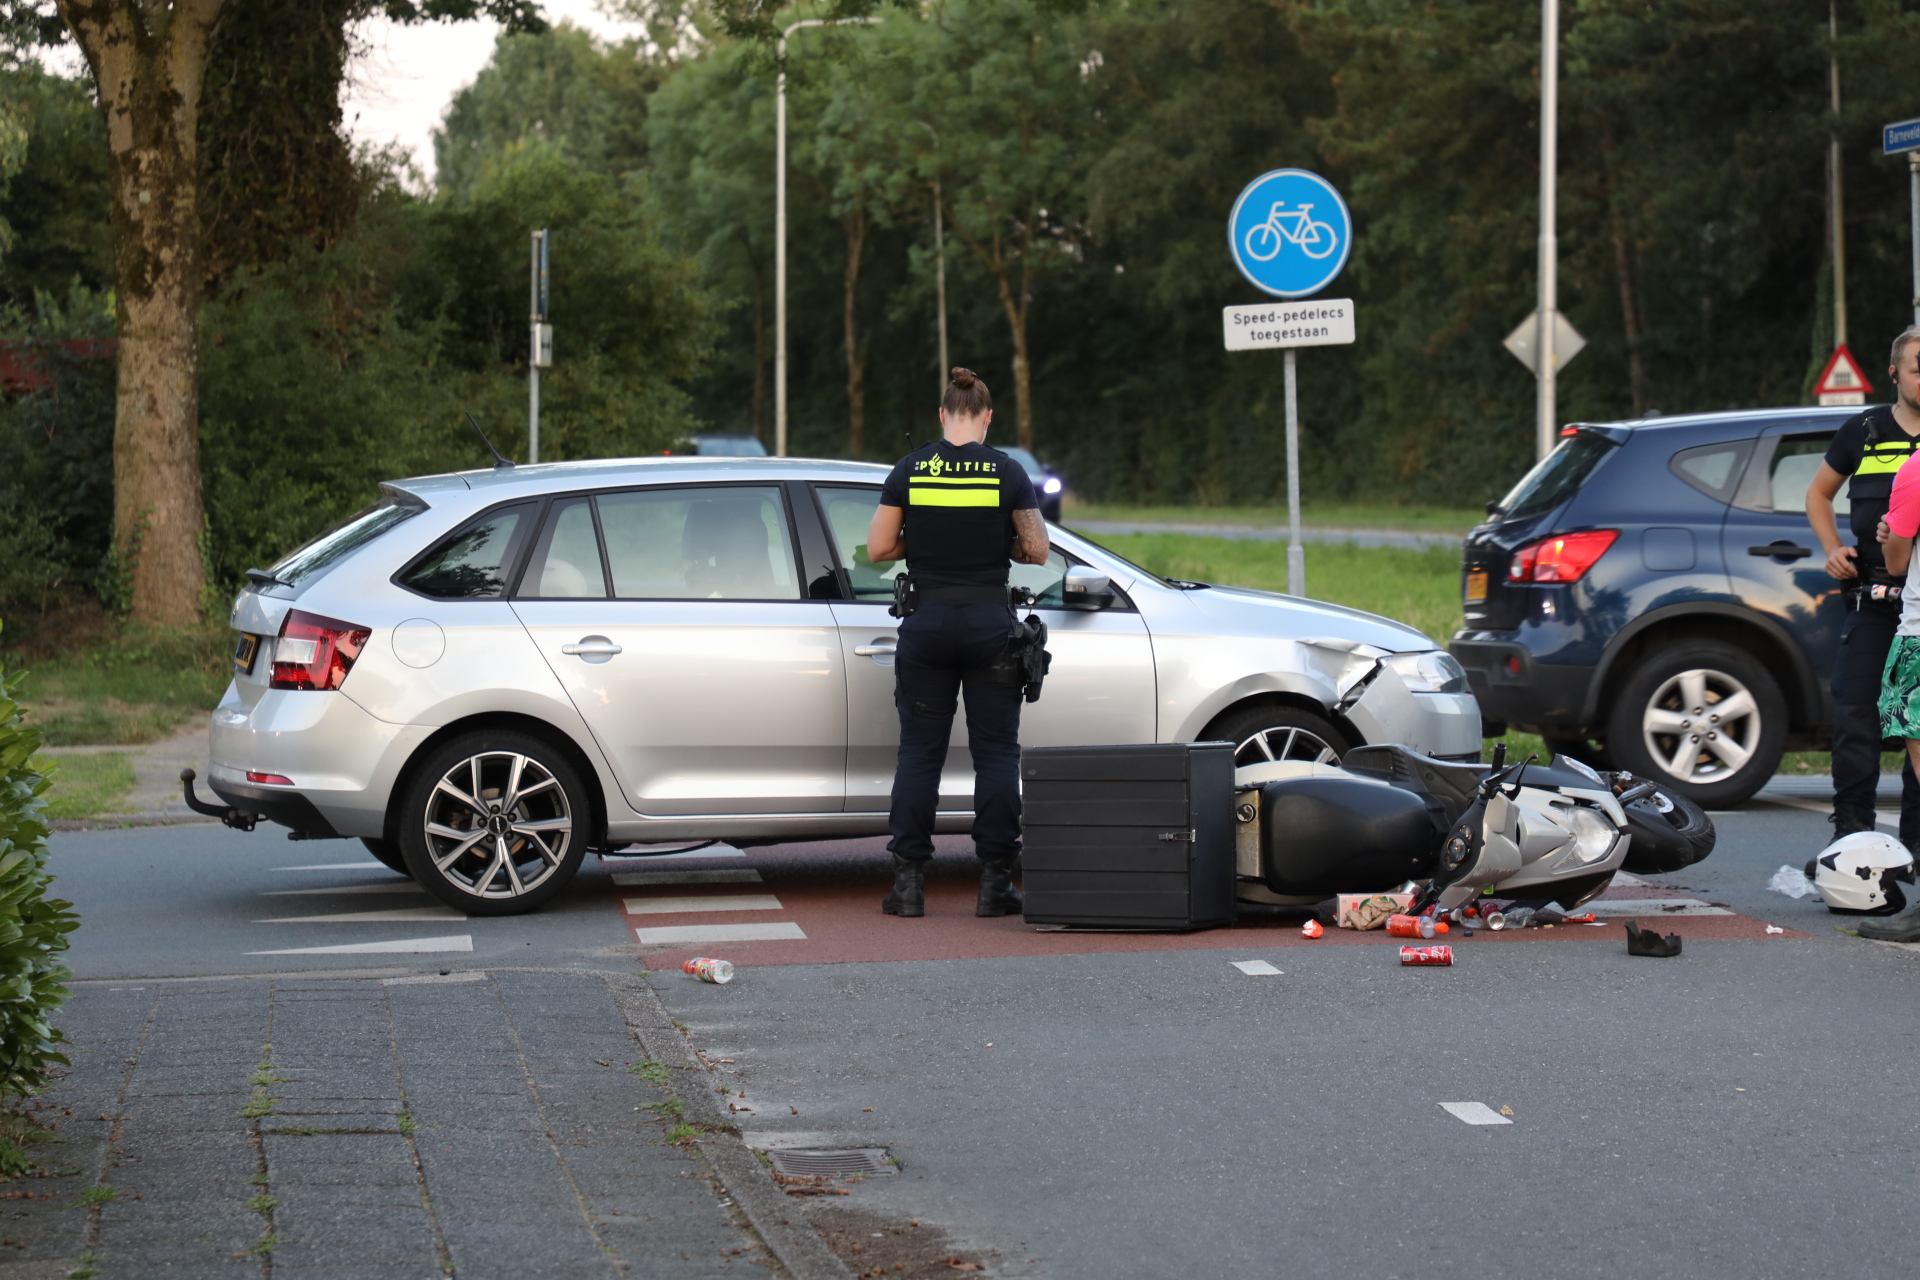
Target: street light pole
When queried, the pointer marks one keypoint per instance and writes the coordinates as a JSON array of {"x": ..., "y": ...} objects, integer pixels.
[
  {"x": 1913, "y": 175},
  {"x": 780, "y": 228},
  {"x": 1548, "y": 312},
  {"x": 1835, "y": 191}
]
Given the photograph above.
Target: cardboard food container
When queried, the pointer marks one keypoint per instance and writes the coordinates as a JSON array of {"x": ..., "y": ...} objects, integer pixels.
[{"x": 1370, "y": 910}]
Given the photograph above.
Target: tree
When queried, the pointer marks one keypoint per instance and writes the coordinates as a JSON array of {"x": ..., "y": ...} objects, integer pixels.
[
  {"x": 149, "y": 63},
  {"x": 1005, "y": 84}
]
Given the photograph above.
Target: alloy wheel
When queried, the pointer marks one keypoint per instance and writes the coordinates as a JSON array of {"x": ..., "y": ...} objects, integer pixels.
[
  {"x": 498, "y": 824},
  {"x": 1702, "y": 726},
  {"x": 1283, "y": 742}
]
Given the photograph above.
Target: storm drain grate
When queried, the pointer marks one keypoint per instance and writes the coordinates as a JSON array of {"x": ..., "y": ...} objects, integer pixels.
[{"x": 830, "y": 1164}]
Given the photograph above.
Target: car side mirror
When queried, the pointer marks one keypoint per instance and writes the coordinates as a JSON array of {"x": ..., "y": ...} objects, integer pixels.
[{"x": 1087, "y": 589}]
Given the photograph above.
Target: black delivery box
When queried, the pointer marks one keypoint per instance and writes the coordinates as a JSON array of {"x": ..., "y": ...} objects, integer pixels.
[{"x": 1131, "y": 837}]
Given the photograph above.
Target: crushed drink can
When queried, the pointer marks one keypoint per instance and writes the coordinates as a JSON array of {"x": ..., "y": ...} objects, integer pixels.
[
  {"x": 1404, "y": 926},
  {"x": 708, "y": 969},
  {"x": 1311, "y": 929},
  {"x": 1442, "y": 955}
]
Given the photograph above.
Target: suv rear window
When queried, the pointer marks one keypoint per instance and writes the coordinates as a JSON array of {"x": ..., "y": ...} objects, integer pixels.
[{"x": 1557, "y": 477}]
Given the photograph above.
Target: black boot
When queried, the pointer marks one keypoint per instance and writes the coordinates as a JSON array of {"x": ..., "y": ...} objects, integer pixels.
[
  {"x": 909, "y": 896},
  {"x": 998, "y": 897}
]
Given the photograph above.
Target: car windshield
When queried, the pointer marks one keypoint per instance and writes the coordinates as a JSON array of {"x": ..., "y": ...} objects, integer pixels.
[
  {"x": 1027, "y": 461},
  {"x": 729, "y": 447},
  {"x": 1557, "y": 477},
  {"x": 341, "y": 541}
]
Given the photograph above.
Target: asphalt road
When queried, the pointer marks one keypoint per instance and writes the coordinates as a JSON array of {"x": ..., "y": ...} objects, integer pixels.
[{"x": 1737, "y": 1111}]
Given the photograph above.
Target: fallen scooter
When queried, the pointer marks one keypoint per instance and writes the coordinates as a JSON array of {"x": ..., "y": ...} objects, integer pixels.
[{"x": 1389, "y": 818}]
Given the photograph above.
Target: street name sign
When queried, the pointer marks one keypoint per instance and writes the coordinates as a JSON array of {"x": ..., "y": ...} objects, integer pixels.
[
  {"x": 1290, "y": 233},
  {"x": 1323, "y": 322},
  {"x": 1900, "y": 137},
  {"x": 1842, "y": 381}
]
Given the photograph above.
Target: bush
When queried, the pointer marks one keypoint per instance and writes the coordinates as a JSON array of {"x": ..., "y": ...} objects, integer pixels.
[{"x": 33, "y": 927}]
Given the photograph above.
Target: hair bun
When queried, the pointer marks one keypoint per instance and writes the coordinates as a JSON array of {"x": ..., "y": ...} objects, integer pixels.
[{"x": 964, "y": 378}]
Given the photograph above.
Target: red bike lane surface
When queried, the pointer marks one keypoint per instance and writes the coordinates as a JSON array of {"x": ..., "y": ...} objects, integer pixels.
[{"x": 819, "y": 903}]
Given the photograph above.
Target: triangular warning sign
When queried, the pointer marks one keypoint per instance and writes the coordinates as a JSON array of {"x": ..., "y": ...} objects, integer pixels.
[{"x": 1842, "y": 382}]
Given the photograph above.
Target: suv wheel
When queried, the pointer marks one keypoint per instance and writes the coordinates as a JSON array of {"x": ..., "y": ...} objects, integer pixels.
[
  {"x": 494, "y": 824},
  {"x": 1260, "y": 734},
  {"x": 1702, "y": 718}
]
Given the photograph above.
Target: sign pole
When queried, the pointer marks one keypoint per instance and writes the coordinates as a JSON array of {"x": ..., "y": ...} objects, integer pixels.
[
  {"x": 1913, "y": 172},
  {"x": 539, "y": 344},
  {"x": 1296, "y": 554},
  {"x": 1549, "y": 306}
]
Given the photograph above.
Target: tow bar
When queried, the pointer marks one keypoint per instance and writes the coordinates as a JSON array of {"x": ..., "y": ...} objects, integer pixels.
[{"x": 226, "y": 813}]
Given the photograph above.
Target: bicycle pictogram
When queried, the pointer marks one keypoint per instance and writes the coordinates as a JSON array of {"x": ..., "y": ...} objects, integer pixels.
[{"x": 1316, "y": 239}]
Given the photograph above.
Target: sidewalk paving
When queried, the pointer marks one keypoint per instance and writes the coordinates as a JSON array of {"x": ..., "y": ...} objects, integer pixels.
[{"x": 478, "y": 1124}]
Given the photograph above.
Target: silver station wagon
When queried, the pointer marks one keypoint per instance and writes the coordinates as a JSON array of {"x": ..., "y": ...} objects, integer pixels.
[{"x": 485, "y": 675}]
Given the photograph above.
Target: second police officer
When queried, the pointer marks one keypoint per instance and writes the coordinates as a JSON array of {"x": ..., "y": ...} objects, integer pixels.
[
  {"x": 955, "y": 511},
  {"x": 1865, "y": 454}
]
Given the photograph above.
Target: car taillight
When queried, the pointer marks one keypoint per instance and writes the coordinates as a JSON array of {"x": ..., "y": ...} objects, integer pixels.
[
  {"x": 1561, "y": 558},
  {"x": 313, "y": 652},
  {"x": 277, "y": 779}
]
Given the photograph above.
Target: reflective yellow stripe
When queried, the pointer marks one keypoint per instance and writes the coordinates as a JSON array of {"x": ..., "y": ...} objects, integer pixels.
[
  {"x": 1878, "y": 463},
  {"x": 954, "y": 497},
  {"x": 989, "y": 480}
]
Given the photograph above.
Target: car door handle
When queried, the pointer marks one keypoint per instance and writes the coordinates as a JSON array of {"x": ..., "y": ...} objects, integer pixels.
[
  {"x": 1782, "y": 549},
  {"x": 591, "y": 647},
  {"x": 879, "y": 649}
]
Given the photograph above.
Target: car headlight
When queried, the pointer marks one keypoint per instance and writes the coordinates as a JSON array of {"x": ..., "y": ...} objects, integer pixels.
[
  {"x": 1052, "y": 485},
  {"x": 1435, "y": 671}
]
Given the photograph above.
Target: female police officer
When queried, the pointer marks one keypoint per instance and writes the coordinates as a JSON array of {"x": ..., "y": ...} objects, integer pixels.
[{"x": 955, "y": 510}]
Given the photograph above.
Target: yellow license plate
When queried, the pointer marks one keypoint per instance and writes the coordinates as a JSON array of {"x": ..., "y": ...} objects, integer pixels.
[
  {"x": 1476, "y": 585},
  {"x": 243, "y": 654}
]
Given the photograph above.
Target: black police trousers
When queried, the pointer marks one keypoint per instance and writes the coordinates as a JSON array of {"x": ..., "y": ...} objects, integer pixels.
[
  {"x": 938, "y": 642},
  {"x": 1865, "y": 637}
]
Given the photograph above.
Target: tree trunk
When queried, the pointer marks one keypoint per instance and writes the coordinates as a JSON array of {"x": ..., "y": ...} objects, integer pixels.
[
  {"x": 1016, "y": 308},
  {"x": 855, "y": 222},
  {"x": 148, "y": 63},
  {"x": 1636, "y": 376}
]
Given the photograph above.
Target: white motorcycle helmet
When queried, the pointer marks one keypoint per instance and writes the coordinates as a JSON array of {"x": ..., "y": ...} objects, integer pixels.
[{"x": 1859, "y": 875}]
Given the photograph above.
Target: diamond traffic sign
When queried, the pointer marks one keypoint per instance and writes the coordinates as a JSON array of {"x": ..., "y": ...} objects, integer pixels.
[
  {"x": 1290, "y": 233},
  {"x": 1901, "y": 136},
  {"x": 1566, "y": 342},
  {"x": 1842, "y": 381}
]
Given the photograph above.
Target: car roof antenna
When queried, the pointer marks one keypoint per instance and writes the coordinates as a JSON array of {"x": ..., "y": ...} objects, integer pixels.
[{"x": 498, "y": 461}]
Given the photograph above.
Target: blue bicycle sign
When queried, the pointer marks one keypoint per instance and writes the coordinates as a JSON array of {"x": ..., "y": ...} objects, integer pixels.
[{"x": 1290, "y": 232}]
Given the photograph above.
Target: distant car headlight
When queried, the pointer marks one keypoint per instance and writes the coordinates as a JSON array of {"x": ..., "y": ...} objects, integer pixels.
[
  {"x": 1435, "y": 671},
  {"x": 1051, "y": 485}
]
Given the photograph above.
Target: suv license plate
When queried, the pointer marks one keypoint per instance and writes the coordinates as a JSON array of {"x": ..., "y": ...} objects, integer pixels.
[
  {"x": 243, "y": 654},
  {"x": 1476, "y": 585}
]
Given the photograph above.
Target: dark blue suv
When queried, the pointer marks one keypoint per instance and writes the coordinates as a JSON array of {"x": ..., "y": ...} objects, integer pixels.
[{"x": 1651, "y": 597}]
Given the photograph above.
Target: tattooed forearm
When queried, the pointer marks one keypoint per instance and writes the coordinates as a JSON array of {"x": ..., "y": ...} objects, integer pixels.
[{"x": 1030, "y": 544}]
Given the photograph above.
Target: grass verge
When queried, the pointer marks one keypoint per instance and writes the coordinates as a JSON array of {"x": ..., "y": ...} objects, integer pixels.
[
  {"x": 87, "y": 786},
  {"x": 136, "y": 685},
  {"x": 1322, "y": 515}
]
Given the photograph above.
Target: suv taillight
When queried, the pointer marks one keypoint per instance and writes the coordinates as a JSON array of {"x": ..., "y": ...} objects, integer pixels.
[
  {"x": 313, "y": 652},
  {"x": 1561, "y": 558}
]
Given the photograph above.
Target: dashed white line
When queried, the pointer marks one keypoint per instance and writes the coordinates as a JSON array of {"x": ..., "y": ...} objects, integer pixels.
[
  {"x": 373, "y": 917},
  {"x": 395, "y": 886},
  {"x": 402, "y": 946},
  {"x": 1474, "y": 1113},
  {"x": 704, "y": 902},
  {"x": 704, "y": 933},
  {"x": 1623, "y": 907},
  {"x": 1254, "y": 968},
  {"x": 343, "y": 866}
]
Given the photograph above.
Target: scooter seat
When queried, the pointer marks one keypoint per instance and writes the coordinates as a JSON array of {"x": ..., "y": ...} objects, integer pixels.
[{"x": 1325, "y": 835}]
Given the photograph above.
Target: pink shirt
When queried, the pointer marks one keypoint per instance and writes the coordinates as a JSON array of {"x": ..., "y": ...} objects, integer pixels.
[{"x": 1903, "y": 508}]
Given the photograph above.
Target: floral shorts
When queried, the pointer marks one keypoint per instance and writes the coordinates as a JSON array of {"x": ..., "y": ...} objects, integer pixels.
[{"x": 1900, "y": 689}]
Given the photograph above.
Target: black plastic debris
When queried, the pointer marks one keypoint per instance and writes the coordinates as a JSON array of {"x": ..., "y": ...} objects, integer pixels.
[{"x": 1645, "y": 942}]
